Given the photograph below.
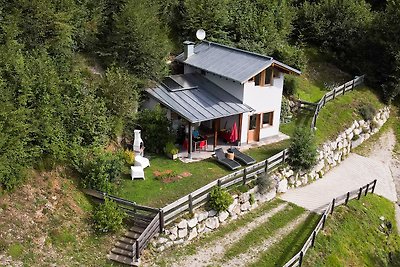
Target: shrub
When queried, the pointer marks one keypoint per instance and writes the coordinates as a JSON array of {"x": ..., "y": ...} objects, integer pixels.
[
  {"x": 170, "y": 148},
  {"x": 108, "y": 217},
  {"x": 286, "y": 114},
  {"x": 129, "y": 156},
  {"x": 265, "y": 184},
  {"x": 252, "y": 199},
  {"x": 367, "y": 111},
  {"x": 303, "y": 150},
  {"x": 220, "y": 199},
  {"x": 290, "y": 85}
]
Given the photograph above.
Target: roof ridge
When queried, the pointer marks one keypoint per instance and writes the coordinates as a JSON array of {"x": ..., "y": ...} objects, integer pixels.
[{"x": 240, "y": 50}]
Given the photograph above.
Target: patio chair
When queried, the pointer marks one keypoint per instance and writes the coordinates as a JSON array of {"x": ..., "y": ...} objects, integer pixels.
[
  {"x": 220, "y": 157},
  {"x": 141, "y": 161},
  {"x": 245, "y": 159}
]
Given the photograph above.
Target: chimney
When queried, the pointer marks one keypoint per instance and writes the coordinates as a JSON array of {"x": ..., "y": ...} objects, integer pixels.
[{"x": 188, "y": 49}]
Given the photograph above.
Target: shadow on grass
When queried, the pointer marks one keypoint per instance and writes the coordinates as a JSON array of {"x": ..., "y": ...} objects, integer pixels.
[{"x": 301, "y": 236}]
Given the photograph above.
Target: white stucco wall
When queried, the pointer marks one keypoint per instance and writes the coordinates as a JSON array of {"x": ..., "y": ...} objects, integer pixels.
[{"x": 230, "y": 86}]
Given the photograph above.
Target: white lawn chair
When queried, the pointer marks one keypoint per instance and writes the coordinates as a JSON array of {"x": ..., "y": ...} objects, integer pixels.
[
  {"x": 137, "y": 172},
  {"x": 141, "y": 161}
]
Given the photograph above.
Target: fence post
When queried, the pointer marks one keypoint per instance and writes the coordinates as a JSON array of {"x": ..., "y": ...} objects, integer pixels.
[
  {"x": 347, "y": 198},
  {"x": 366, "y": 190},
  {"x": 314, "y": 234},
  {"x": 353, "y": 85},
  {"x": 301, "y": 258},
  {"x": 333, "y": 205},
  {"x": 266, "y": 166},
  {"x": 373, "y": 187},
  {"x": 359, "y": 194},
  {"x": 324, "y": 100},
  {"x": 334, "y": 93},
  {"x": 284, "y": 156},
  {"x": 344, "y": 88},
  {"x": 323, "y": 220},
  {"x": 137, "y": 250},
  {"x": 219, "y": 182},
  {"x": 161, "y": 214},
  {"x": 244, "y": 176},
  {"x": 190, "y": 203}
]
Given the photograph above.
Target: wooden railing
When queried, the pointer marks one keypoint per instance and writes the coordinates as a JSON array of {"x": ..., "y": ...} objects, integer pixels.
[
  {"x": 297, "y": 259},
  {"x": 338, "y": 91},
  {"x": 199, "y": 197}
]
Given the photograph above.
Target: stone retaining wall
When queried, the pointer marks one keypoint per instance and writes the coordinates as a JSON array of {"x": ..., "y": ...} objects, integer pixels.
[{"x": 330, "y": 155}]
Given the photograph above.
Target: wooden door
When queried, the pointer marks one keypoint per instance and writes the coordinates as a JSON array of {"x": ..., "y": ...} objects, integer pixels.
[{"x": 254, "y": 128}]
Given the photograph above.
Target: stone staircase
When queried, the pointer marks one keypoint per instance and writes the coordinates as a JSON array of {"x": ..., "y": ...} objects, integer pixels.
[{"x": 123, "y": 251}]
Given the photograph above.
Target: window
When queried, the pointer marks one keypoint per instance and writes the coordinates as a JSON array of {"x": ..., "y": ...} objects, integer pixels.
[
  {"x": 253, "y": 122},
  {"x": 267, "y": 119},
  {"x": 257, "y": 79},
  {"x": 268, "y": 76}
]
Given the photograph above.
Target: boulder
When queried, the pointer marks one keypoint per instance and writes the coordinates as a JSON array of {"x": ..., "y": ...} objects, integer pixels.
[
  {"x": 350, "y": 136},
  {"x": 201, "y": 227},
  {"x": 162, "y": 240},
  {"x": 244, "y": 197},
  {"x": 270, "y": 195},
  {"x": 168, "y": 244},
  {"x": 178, "y": 242},
  {"x": 192, "y": 222},
  {"x": 172, "y": 237},
  {"x": 182, "y": 233},
  {"x": 202, "y": 216},
  {"x": 357, "y": 131},
  {"x": 282, "y": 186},
  {"x": 182, "y": 224},
  {"x": 212, "y": 223},
  {"x": 223, "y": 216},
  {"x": 245, "y": 206},
  {"x": 357, "y": 142},
  {"x": 174, "y": 230},
  {"x": 212, "y": 213},
  {"x": 192, "y": 234},
  {"x": 298, "y": 183}
]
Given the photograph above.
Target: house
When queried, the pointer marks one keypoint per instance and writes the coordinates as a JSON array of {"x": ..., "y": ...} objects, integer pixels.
[{"x": 221, "y": 86}]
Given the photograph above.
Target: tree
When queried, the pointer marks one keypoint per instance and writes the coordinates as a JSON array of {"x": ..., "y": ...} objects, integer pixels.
[{"x": 302, "y": 150}]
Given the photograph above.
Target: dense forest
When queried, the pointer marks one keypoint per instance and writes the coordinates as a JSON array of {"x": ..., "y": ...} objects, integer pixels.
[{"x": 55, "y": 106}]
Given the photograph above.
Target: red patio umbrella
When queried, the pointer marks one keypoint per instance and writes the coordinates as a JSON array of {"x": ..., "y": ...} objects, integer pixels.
[{"x": 234, "y": 134}]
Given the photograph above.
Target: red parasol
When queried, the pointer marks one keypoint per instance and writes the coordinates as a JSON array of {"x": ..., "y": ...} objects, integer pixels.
[{"x": 234, "y": 134}]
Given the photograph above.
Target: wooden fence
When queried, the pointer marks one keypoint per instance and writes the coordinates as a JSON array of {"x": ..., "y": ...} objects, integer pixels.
[
  {"x": 150, "y": 218},
  {"x": 338, "y": 91},
  {"x": 199, "y": 197},
  {"x": 297, "y": 259}
]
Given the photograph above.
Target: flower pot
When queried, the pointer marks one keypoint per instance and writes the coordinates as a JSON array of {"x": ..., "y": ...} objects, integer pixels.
[{"x": 172, "y": 156}]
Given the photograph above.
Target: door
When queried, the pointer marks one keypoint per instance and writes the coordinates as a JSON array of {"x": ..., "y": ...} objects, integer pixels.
[{"x": 254, "y": 128}]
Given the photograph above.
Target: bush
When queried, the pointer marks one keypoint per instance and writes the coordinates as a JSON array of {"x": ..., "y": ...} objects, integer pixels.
[
  {"x": 156, "y": 128},
  {"x": 286, "y": 114},
  {"x": 108, "y": 217},
  {"x": 303, "y": 150},
  {"x": 252, "y": 199},
  {"x": 98, "y": 169},
  {"x": 367, "y": 111},
  {"x": 170, "y": 148},
  {"x": 290, "y": 85},
  {"x": 265, "y": 184},
  {"x": 220, "y": 199},
  {"x": 129, "y": 156}
]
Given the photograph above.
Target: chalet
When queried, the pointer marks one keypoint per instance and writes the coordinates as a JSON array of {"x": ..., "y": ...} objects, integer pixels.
[{"x": 223, "y": 89}]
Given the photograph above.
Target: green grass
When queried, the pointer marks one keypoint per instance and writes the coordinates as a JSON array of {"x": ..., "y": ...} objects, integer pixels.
[
  {"x": 353, "y": 237},
  {"x": 290, "y": 245},
  {"x": 264, "y": 231},
  {"x": 62, "y": 237},
  {"x": 15, "y": 250},
  {"x": 337, "y": 115},
  {"x": 156, "y": 193},
  {"x": 191, "y": 248}
]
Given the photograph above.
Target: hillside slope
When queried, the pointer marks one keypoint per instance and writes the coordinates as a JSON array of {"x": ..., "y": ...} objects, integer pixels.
[{"x": 46, "y": 222}]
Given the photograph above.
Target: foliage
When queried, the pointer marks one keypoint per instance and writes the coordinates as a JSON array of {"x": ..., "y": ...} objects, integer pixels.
[
  {"x": 108, "y": 217},
  {"x": 302, "y": 150},
  {"x": 129, "y": 156},
  {"x": 286, "y": 113},
  {"x": 98, "y": 169},
  {"x": 290, "y": 85},
  {"x": 166, "y": 175},
  {"x": 265, "y": 183},
  {"x": 156, "y": 128},
  {"x": 252, "y": 199},
  {"x": 170, "y": 148},
  {"x": 367, "y": 111},
  {"x": 220, "y": 199}
]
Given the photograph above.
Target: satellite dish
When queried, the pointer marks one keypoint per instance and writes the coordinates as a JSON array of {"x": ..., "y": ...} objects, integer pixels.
[{"x": 200, "y": 34}]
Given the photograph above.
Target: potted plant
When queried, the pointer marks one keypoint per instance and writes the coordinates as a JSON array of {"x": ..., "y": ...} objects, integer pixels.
[{"x": 171, "y": 150}]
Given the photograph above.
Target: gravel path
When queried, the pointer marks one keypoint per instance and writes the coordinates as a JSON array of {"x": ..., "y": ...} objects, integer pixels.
[
  {"x": 206, "y": 255},
  {"x": 352, "y": 173},
  {"x": 255, "y": 252}
]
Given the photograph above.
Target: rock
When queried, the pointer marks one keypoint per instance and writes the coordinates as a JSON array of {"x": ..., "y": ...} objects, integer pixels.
[
  {"x": 304, "y": 179},
  {"x": 223, "y": 216},
  {"x": 289, "y": 173},
  {"x": 168, "y": 244},
  {"x": 321, "y": 173},
  {"x": 182, "y": 233},
  {"x": 162, "y": 240},
  {"x": 348, "y": 131},
  {"x": 212, "y": 213},
  {"x": 357, "y": 142},
  {"x": 192, "y": 222},
  {"x": 201, "y": 227},
  {"x": 202, "y": 216},
  {"x": 192, "y": 234},
  {"x": 178, "y": 242},
  {"x": 244, "y": 197},
  {"x": 236, "y": 210},
  {"x": 172, "y": 237},
  {"x": 160, "y": 249},
  {"x": 245, "y": 206},
  {"x": 182, "y": 224},
  {"x": 382, "y": 218},
  {"x": 357, "y": 131},
  {"x": 361, "y": 123},
  {"x": 350, "y": 136},
  {"x": 367, "y": 136},
  {"x": 356, "y": 124},
  {"x": 212, "y": 223},
  {"x": 320, "y": 165},
  {"x": 174, "y": 230},
  {"x": 270, "y": 195},
  {"x": 282, "y": 186}
]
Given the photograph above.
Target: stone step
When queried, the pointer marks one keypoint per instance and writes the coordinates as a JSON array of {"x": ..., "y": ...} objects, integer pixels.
[
  {"x": 132, "y": 235},
  {"x": 124, "y": 246},
  {"x": 122, "y": 259},
  {"x": 128, "y": 240},
  {"x": 123, "y": 252},
  {"x": 137, "y": 229}
]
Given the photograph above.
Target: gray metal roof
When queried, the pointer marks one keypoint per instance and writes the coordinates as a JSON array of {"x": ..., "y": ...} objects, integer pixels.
[
  {"x": 197, "y": 99},
  {"x": 235, "y": 64}
]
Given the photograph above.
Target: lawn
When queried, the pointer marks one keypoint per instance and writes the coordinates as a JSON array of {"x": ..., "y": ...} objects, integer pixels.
[
  {"x": 353, "y": 236},
  {"x": 337, "y": 115},
  {"x": 156, "y": 193}
]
